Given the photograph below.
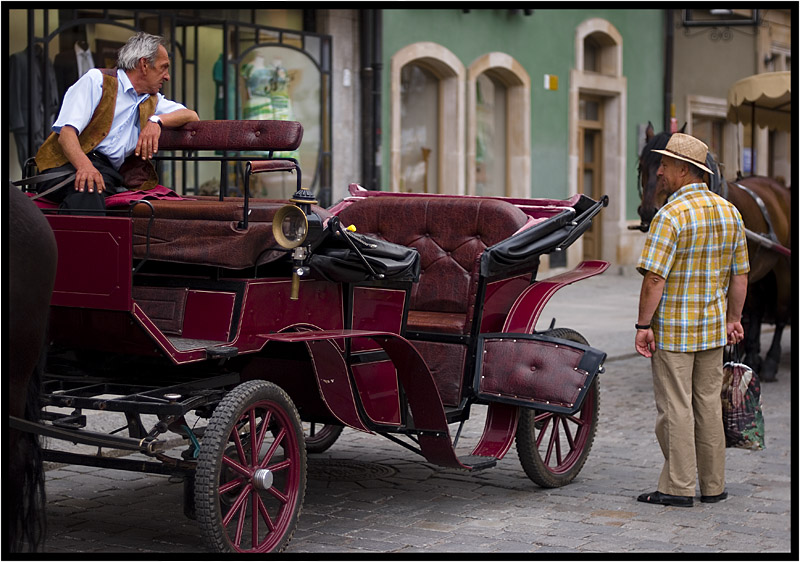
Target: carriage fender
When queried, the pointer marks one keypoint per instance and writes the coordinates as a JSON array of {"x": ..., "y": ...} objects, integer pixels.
[
  {"x": 334, "y": 383},
  {"x": 525, "y": 311}
]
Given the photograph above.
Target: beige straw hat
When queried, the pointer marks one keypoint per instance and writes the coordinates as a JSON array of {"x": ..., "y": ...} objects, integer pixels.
[{"x": 687, "y": 148}]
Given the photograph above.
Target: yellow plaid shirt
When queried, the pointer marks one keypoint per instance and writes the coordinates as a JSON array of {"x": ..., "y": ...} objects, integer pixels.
[{"x": 696, "y": 242}]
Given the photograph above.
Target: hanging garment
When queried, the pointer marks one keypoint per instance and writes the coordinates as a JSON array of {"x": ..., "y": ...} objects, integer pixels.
[{"x": 44, "y": 111}]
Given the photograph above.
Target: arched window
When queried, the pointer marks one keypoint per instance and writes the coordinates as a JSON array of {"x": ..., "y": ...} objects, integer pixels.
[
  {"x": 427, "y": 116},
  {"x": 498, "y": 127}
]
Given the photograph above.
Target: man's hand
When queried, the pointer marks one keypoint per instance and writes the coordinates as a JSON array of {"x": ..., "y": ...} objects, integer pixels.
[
  {"x": 147, "y": 145},
  {"x": 88, "y": 178},
  {"x": 645, "y": 342},
  {"x": 86, "y": 175},
  {"x": 735, "y": 332}
]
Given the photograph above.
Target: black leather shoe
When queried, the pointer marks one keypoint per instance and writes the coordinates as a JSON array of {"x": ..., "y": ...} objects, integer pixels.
[
  {"x": 714, "y": 499},
  {"x": 666, "y": 499}
]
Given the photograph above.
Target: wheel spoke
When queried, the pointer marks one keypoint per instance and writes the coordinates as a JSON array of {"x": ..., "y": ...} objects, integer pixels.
[
  {"x": 238, "y": 442},
  {"x": 230, "y": 485},
  {"x": 262, "y": 433},
  {"x": 251, "y": 415},
  {"x": 241, "y": 499},
  {"x": 283, "y": 498},
  {"x": 568, "y": 434},
  {"x": 240, "y": 522},
  {"x": 546, "y": 422},
  {"x": 241, "y": 469},
  {"x": 254, "y": 517},
  {"x": 262, "y": 509},
  {"x": 274, "y": 447}
]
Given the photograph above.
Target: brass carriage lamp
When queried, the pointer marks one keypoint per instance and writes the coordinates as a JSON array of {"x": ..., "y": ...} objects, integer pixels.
[{"x": 296, "y": 227}]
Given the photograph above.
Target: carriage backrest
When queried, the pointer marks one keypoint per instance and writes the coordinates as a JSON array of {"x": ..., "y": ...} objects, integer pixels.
[
  {"x": 450, "y": 235},
  {"x": 233, "y": 135}
]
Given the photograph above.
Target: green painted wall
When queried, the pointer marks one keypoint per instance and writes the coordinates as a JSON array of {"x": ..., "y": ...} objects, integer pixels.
[{"x": 543, "y": 43}]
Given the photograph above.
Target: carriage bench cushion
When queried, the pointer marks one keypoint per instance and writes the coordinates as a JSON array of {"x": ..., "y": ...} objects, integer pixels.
[
  {"x": 206, "y": 232},
  {"x": 444, "y": 299}
]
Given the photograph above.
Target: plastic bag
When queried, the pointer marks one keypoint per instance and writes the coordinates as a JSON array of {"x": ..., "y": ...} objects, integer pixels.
[{"x": 742, "y": 417}]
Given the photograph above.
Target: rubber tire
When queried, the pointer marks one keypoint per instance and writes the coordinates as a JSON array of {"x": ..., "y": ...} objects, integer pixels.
[
  {"x": 323, "y": 438},
  {"x": 283, "y": 500},
  {"x": 532, "y": 423}
]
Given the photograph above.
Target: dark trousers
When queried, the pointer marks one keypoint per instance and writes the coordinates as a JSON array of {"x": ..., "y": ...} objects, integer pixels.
[{"x": 72, "y": 201}]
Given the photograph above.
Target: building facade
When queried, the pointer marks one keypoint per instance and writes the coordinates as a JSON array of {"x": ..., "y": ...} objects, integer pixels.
[{"x": 541, "y": 103}]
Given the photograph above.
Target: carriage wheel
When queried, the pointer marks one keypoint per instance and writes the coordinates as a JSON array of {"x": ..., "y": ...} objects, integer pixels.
[
  {"x": 251, "y": 472},
  {"x": 319, "y": 438},
  {"x": 553, "y": 447}
]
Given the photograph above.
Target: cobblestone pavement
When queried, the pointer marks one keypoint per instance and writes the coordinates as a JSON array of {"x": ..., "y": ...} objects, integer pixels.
[{"x": 385, "y": 499}]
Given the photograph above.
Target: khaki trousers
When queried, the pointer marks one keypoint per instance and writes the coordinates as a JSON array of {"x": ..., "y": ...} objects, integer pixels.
[{"x": 689, "y": 423}]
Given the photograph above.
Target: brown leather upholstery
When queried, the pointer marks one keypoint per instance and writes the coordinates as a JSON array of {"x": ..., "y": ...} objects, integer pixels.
[
  {"x": 206, "y": 232},
  {"x": 450, "y": 250},
  {"x": 233, "y": 135}
]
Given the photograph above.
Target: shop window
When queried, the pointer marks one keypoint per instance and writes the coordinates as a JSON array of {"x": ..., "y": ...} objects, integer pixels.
[
  {"x": 490, "y": 136},
  {"x": 427, "y": 118},
  {"x": 419, "y": 136},
  {"x": 498, "y": 127}
]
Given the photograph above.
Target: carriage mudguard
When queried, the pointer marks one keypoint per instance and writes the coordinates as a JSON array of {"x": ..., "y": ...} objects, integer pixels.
[
  {"x": 427, "y": 411},
  {"x": 535, "y": 371},
  {"x": 526, "y": 309}
]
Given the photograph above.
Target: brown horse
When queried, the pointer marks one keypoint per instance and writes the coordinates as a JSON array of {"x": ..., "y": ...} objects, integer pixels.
[
  {"x": 769, "y": 289},
  {"x": 31, "y": 274}
]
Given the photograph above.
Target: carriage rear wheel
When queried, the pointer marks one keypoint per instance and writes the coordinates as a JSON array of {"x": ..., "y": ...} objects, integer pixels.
[
  {"x": 251, "y": 472},
  {"x": 320, "y": 438},
  {"x": 553, "y": 447}
]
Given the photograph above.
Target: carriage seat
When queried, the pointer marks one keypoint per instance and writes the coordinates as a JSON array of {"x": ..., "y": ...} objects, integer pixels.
[
  {"x": 206, "y": 232},
  {"x": 444, "y": 299}
]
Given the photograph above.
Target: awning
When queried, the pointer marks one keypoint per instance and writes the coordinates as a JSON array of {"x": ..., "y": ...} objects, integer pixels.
[{"x": 764, "y": 98}]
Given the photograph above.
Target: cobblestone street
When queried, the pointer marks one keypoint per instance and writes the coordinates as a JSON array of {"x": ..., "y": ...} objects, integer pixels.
[{"x": 367, "y": 495}]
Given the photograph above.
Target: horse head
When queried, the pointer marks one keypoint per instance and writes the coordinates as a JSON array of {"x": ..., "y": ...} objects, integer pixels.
[{"x": 652, "y": 197}]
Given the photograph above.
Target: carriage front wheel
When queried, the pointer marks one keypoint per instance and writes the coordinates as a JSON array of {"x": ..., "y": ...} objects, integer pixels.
[
  {"x": 251, "y": 472},
  {"x": 553, "y": 447}
]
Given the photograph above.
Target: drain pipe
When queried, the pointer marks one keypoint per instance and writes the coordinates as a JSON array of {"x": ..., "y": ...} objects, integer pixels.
[
  {"x": 370, "y": 32},
  {"x": 668, "y": 64}
]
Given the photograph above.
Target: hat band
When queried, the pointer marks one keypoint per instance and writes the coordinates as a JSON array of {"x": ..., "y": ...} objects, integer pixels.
[{"x": 685, "y": 157}]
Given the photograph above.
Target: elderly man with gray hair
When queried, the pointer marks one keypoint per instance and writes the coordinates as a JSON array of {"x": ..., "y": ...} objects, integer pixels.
[{"x": 109, "y": 126}]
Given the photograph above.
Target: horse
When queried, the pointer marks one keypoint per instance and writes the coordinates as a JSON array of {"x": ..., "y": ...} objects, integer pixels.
[
  {"x": 32, "y": 264},
  {"x": 765, "y": 207}
]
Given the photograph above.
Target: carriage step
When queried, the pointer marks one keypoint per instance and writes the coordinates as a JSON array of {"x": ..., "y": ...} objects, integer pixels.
[{"x": 477, "y": 462}]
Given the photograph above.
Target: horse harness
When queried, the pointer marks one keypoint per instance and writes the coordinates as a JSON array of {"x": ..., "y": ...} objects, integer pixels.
[{"x": 763, "y": 208}]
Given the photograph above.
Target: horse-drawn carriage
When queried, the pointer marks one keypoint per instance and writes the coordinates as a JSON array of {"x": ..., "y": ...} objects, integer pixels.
[{"x": 392, "y": 314}]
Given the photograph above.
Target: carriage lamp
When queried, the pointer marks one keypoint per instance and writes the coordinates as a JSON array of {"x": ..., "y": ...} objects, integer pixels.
[{"x": 296, "y": 227}]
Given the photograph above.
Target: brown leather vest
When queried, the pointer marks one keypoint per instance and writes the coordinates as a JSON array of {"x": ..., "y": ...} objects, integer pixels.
[{"x": 137, "y": 173}]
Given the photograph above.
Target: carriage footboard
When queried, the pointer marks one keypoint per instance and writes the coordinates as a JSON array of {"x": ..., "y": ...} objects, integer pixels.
[{"x": 536, "y": 371}]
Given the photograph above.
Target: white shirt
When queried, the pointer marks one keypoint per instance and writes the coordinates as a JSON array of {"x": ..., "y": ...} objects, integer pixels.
[{"x": 83, "y": 97}]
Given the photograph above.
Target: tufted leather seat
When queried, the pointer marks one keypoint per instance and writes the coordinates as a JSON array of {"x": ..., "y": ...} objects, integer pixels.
[
  {"x": 233, "y": 136},
  {"x": 444, "y": 299},
  {"x": 206, "y": 232}
]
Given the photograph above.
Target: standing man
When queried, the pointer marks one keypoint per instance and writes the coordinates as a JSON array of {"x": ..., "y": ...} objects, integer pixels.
[
  {"x": 109, "y": 126},
  {"x": 695, "y": 268}
]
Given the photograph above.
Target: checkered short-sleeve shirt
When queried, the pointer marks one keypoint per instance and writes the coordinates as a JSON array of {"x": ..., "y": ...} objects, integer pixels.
[{"x": 696, "y": 242}]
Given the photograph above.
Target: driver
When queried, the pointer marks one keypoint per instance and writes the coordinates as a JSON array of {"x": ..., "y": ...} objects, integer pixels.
[{"x": 109, "y": 126}]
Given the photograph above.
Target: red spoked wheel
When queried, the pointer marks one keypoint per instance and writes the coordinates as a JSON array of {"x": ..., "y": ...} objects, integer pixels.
[
  {"x": 553, "y": 447},
  {"x": 251, "y": 472}
]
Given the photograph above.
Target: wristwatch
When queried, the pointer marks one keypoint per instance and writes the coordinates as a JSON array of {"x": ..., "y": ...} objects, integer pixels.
[
  {"x": 642, "y": 327},
  {"x": 155, "y": 119}
]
